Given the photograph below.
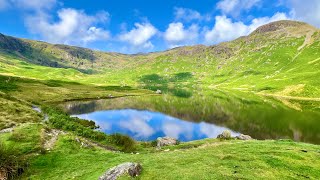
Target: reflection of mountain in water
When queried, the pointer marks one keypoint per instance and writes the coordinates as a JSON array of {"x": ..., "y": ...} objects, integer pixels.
[{"x": 257, "y": 116}]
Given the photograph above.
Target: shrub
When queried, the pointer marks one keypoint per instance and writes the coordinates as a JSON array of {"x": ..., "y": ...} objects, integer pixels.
[
  {"x": 11, "y": 165},
  {"x": 154, "y": 143},
  {"x": 126, "y": 142}
]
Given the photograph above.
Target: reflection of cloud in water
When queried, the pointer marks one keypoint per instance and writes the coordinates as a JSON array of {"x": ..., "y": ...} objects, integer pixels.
[
  {"x": 137, "y": 125},
  {"x": 173, "y": 127},
  {"x": 212, "y": 131},
  {"x": 147, "y": 125}
]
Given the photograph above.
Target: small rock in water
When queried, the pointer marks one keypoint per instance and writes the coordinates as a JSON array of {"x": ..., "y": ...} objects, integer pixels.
[
  {"x": 159, "y": 91},
  {"x": 133, "y": 169},
  {"x": 225, "y": 135},
  {"x": 166, "y": 141},
  {"x": 244, "y": 137}
]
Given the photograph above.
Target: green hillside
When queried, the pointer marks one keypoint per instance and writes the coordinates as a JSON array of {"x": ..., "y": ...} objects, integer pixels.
[{"x": 279, "y": 58}]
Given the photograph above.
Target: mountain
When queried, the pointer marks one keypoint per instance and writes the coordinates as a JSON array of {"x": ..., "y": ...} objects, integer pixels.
[{"x": 281, "y": 57}]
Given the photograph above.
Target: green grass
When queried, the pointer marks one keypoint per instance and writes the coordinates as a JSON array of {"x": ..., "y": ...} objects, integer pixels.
[{"x": 212, "y": 160}]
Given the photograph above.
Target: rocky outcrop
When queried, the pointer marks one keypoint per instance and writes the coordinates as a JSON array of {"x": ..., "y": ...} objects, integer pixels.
[
  {"x": 224, "y": 135},
  {"x": 244, "y": 137},
  {"x": 130, "y": 168},
  {"x": 278, "y": 25},
  {"x": 166, "y": 141}
]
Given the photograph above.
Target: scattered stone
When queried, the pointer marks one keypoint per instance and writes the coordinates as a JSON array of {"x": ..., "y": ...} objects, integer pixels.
[
  {"x": 83, "y": 143},
  {"x": 133, "y": 169},
  {"x": 110, "y": 96},
  {"x": 51, "y": 137},
  {"x": 244, "y": 137},
  {"x": 166, "y": 141},
  {"x": 36, "y": 108},
  {"x": 7, "y": 130},
  {"x": 167, "y": 150},
  {"x": 225, "y": 135},
  {"x": 158, "y": 91}
]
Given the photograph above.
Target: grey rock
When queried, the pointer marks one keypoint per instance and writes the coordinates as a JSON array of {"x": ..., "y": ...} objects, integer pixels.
[
  {"x": 244, "y": 137},
  {"x": 159, "y": 91},
  {"x": 225, "y": 135},
  {"x": 7, "y": 130},
  {"x": 84, "y": 143},
  {"x": 130, "y": 168},
  {"x": 166, "y": 141}
]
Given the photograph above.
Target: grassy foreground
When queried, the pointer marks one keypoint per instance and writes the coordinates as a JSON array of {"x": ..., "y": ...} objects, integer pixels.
[{"x": 204, "y": 159}]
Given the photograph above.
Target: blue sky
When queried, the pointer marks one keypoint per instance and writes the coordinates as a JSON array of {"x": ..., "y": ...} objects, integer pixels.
[{"x": 129, "y": 26}]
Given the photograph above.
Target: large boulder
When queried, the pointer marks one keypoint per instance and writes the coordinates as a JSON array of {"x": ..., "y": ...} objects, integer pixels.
[
  {"x": 130, "y": 168},
  {"x": 225, "y": 135},
  {"x": 244, "y": 137},
  {"x": 166, "y": 141}
]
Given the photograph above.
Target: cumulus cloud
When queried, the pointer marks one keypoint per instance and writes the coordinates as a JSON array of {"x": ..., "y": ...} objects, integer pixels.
[
  {"x": 307, "y": 11},
  {"x": 72, "y": 27},
  {"x": 187, "y": 14},
  {"x": 234, "y": 7},
  {"x": 225, "y": 29},
  {"x": 177, "y": 35},
  {"x": 139, "y": 37}
]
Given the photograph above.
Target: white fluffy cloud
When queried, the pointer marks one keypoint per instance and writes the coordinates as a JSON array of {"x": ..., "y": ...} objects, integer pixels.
[
  {"x": 307, "y": 11},
  {"x": 234, "y": 7},
  {"x": 139, "y": 37},
  {"x": 72, "y": 27},
  {"x": 177, "y": 35},
  {"x": 187, "y": 14},
  {"x": 225, "y": 29}
]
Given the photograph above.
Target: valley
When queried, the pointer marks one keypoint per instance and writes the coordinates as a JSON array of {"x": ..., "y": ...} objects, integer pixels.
[{"x": 265, "y": 85}]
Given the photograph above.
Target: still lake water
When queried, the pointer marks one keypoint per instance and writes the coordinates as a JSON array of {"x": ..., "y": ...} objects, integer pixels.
[
  {"x": 147, "y": 125},
  {"x": 202, "y": 116}
]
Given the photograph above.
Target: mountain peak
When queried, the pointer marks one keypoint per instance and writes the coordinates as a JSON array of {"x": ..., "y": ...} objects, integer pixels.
[{"x": 281, "y": 25}]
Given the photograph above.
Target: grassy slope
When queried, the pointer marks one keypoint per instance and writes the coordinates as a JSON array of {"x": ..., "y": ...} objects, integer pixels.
[{"x": 267, "y": 61}]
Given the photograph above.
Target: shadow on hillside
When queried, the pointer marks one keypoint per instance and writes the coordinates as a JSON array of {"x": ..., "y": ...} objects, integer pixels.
[{"x": 171, "y": 84}]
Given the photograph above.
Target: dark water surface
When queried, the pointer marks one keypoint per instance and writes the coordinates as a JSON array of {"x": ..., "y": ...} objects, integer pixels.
[{"x": 202, "y": 116}]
